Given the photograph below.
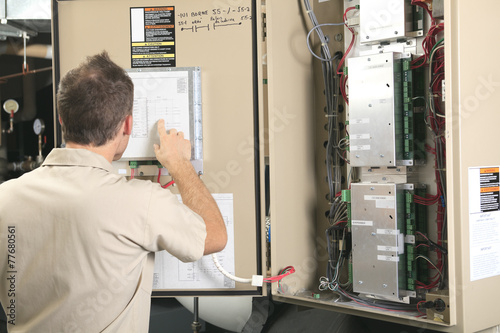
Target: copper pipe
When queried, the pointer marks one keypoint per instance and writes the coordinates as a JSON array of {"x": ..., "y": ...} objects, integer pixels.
[{"x": 4, "y": 79}]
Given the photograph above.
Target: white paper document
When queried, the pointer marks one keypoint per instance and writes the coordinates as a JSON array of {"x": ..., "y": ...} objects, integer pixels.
[
  {"x": 157, "y": 95},
  {"x": 484, "y": 222},
  {"x": 171, "y": 273}
]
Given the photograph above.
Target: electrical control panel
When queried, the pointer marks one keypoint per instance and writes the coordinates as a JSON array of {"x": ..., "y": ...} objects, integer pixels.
[
  {"x": 375, "y": 110},
  {"x": 390, "y": 236},
  {"x": 368, "y": 166},
  {"x": 388, "y": 130},
  {"x": 378, "y": 240}
]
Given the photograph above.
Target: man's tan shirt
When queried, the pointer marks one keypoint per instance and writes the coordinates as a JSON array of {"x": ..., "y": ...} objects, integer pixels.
[{"x": 78, "y": 242}]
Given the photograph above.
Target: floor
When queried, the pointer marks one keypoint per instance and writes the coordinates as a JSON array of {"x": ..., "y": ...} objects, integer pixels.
[{"x": 168, "y": 316}]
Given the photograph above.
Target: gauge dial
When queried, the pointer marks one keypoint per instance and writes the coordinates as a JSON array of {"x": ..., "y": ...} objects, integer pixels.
[
  {"x": 11, "y": 105},
  {"x": 38, "y": 126}
]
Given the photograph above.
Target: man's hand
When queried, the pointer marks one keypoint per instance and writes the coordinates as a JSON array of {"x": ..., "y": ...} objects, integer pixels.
[{"x": 173, "y": 150}]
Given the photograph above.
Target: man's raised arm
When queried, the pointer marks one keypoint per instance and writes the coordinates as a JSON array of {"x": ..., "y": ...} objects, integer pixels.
[{"x": 174, "y": 153}]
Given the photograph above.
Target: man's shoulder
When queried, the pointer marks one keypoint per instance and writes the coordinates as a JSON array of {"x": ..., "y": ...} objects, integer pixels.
[{"x": 26, "y": 177}]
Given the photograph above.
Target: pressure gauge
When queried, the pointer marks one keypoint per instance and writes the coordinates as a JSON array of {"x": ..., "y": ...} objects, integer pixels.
[
  {"x": 38, "y": 126},
  {"x": 11, "y": 105}
]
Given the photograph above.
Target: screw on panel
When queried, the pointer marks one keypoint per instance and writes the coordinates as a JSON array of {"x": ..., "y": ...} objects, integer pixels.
[
  {"x": 374, "y": 234},
  {"x": 367, "y": 37},
  {"x": 395, "y": 32},
  {"x": 372, "y": 188},
  {"x": 360, "y": 282},
  {"x": 369, "y": 170},
  {"x": 384, "y": 285},
  {"x": 357, "y": 156},
  {"x": 384, "y": 178},
  {"x": 339, "y": 37},
  {"x": 381, "y": 155}
]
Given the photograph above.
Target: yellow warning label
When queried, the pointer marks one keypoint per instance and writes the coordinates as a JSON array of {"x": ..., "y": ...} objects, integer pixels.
[
  {"x": 150, "y": 56},
  {"x": 490, "y": 170},
  {"x": 490, "y": 189},
  {"x": 162, "y": 26},
  {"x": 153, "y": 44},
  {"x": 158, "y": 9}
]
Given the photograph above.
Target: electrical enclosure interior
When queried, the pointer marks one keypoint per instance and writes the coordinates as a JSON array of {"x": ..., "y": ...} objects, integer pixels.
[{"x": 372, "y": 163}]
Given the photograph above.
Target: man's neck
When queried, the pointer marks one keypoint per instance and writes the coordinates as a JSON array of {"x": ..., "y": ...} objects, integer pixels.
[{"x": 107, "y": 150}]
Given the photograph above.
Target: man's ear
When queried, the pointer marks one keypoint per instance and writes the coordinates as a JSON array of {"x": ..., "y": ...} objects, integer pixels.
[{"x": 127, "y": 128}]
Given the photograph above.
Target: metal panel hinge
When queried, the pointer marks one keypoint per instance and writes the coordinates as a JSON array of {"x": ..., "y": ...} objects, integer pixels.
[{"x": 264, "y": 27}]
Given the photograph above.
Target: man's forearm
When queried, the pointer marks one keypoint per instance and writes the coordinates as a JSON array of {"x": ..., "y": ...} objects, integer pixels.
[{"x": 196, "y": 196}]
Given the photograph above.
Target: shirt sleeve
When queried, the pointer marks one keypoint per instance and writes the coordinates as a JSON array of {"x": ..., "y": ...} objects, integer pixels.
[{"x": 174, "y": 227}]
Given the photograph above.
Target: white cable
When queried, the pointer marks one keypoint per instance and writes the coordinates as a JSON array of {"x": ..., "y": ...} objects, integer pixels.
[
  {"x": 226, "y": 274},
  {"x": 323, "y": 41}
]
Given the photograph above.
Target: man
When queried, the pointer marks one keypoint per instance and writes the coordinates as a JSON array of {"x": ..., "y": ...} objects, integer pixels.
[{"x": 80, "y": 240}]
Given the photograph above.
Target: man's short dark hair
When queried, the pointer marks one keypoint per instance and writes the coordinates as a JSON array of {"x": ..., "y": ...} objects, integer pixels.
[{"x": 93, "y": 101}]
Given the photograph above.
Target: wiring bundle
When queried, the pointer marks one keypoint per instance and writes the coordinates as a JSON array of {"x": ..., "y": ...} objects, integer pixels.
[{"x": 433, "y": 59}]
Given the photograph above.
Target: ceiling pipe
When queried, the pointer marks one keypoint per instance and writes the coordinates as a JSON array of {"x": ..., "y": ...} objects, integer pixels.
[{"x": 35, "y": 50}]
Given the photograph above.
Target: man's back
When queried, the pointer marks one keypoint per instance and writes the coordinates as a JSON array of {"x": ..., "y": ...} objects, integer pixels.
[
  {"x": 80, "y": 239},
  {"x": 90, "y": 234}
]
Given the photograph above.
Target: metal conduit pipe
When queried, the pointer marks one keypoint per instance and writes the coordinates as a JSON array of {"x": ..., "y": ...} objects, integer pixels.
[{"x": 35, "y": 50}]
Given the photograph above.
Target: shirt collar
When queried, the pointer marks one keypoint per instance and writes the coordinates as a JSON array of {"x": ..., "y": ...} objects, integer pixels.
[{"x": 77, "y": 157}]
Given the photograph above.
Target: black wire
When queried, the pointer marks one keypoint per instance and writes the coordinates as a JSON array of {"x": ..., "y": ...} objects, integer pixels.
[{"x": 381, "y": 303}]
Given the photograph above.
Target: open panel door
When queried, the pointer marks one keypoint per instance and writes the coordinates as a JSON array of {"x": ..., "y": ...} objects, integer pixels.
[{"x": 220, "y": 41}]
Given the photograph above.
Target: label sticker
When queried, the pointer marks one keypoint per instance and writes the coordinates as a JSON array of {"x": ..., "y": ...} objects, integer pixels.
[
  {"x": 382, "y": 201},
  {"x": 152, "y": 36},
  {"x": 362, "y": 223},
  {"x": 360, "y": 136},
  {"x": 387, "y": 248},
  {"x": 122, "y": 171},
  {"x": 359, "y": 121},
  {"x": 387, "y": 231},
  {"x": 489, "y": 184},
  {"x": 380, "y": 197},
  {"x": 360, "y": 147},
  {"x": 388, "y": 258}
]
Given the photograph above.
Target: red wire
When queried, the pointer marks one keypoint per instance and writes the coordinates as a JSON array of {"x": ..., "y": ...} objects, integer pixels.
[
  {"x": 343, "y": 86},
  {"x": 285, "y": 272},
  {"x": 418, "y": 307},
  {"x": 170, "y": 183},
  {"x": 132, "y": 173},
  {"x": 424, "y": 6},
  {"x": 352, "y": 41}
]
